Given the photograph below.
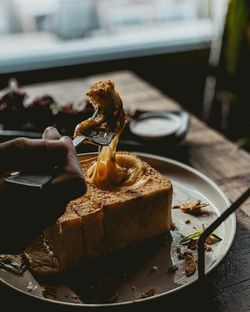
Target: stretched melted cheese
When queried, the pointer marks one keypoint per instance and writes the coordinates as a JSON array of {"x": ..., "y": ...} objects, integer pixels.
[{"x": 110, "y": 171}]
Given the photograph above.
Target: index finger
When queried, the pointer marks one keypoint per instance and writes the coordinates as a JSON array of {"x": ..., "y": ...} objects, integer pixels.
[{"x": 32, "y": 154}]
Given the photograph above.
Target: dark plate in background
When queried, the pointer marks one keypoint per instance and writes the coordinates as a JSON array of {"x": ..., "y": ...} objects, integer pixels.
[{"x": 167, "y": 146}]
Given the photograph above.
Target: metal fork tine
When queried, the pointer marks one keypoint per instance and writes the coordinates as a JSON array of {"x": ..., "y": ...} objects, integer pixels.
[
  {"x": 102, "y": 140},
  {"x": 100, "y": 133},
  {"x": 98, "y": 139}
]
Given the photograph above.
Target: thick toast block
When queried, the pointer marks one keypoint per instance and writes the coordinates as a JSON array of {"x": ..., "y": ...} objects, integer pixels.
[{"x": 104, "y": 220}]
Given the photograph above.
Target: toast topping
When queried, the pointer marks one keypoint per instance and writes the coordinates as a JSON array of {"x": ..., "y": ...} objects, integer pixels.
[{"x": 107, "y": 103}]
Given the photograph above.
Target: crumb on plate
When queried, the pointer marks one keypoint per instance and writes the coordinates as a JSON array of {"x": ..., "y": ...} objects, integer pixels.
[{"x": 149, "y": 293}]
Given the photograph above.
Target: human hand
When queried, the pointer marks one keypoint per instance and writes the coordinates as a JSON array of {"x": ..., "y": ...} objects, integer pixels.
[{"x": 26, "y": 211}]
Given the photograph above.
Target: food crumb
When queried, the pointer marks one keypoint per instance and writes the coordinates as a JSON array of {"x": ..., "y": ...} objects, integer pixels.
[
  {"x": 154, "y": 268},
  {"x": 76, "y": 298},
  {"x": 207, "y": 247},
  {"x": 193, "y": 207},
  {"x": 190, "y": 265},
  {"x": 149, "y": 293},
  {"x": 187, "y": 221},
  {"x": 193, "y": 244},
  {"x": 181, "y": 256},
  {"x": 133, "y": 287},
  {"x": 173, "y": 226},
  {"x": 43, "y": 290},
  {"x": 194, "y": 227},
  {"x": 188, "y": 252},
  {"x": 209, "y": 239},
  {"x": 48, "y": 291},
  {"x": 173, "y": 268}
]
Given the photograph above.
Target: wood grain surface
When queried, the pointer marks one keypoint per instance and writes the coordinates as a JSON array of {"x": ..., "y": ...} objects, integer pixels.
[{"x": 228, "y": 287}]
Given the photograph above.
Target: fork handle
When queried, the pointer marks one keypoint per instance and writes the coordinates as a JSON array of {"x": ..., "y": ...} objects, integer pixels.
[{"x": 29, "y": 179}]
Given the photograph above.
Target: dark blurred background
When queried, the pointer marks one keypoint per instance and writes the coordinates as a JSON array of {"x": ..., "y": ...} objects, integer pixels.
[{"x": 195, "y": 51}]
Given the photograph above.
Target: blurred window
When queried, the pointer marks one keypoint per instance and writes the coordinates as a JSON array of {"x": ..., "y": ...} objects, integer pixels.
[{"x": 37, "y": 34}]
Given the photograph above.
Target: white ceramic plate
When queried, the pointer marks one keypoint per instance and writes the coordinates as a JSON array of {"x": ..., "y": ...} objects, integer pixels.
[{"x": 136, "y": 270}]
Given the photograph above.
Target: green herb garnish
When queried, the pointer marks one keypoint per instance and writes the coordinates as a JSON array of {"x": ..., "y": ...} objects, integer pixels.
[
  {"x": 215, "y": 236},
  {"x": 196, "y": 235}
]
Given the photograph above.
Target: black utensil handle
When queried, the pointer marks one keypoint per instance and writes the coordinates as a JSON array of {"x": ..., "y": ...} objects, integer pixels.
[{"x": 212, "y": 227}]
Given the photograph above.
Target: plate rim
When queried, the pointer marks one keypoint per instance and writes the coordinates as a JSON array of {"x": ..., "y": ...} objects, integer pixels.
[{"x": 157, "y": 296}]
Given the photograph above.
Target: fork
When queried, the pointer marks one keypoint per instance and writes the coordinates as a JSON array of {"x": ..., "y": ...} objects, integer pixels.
[{"x": 37, "y": 180}]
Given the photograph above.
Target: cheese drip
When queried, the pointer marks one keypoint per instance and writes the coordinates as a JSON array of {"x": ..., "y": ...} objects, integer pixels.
[{"x": 116, "y": 171}]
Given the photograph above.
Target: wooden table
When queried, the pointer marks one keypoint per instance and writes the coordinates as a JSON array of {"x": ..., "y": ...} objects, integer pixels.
[{"x": 227, "y": 288}]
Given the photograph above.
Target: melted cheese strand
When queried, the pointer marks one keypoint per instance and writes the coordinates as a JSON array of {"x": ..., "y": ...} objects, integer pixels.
[{"x": 105, "y": 170}]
